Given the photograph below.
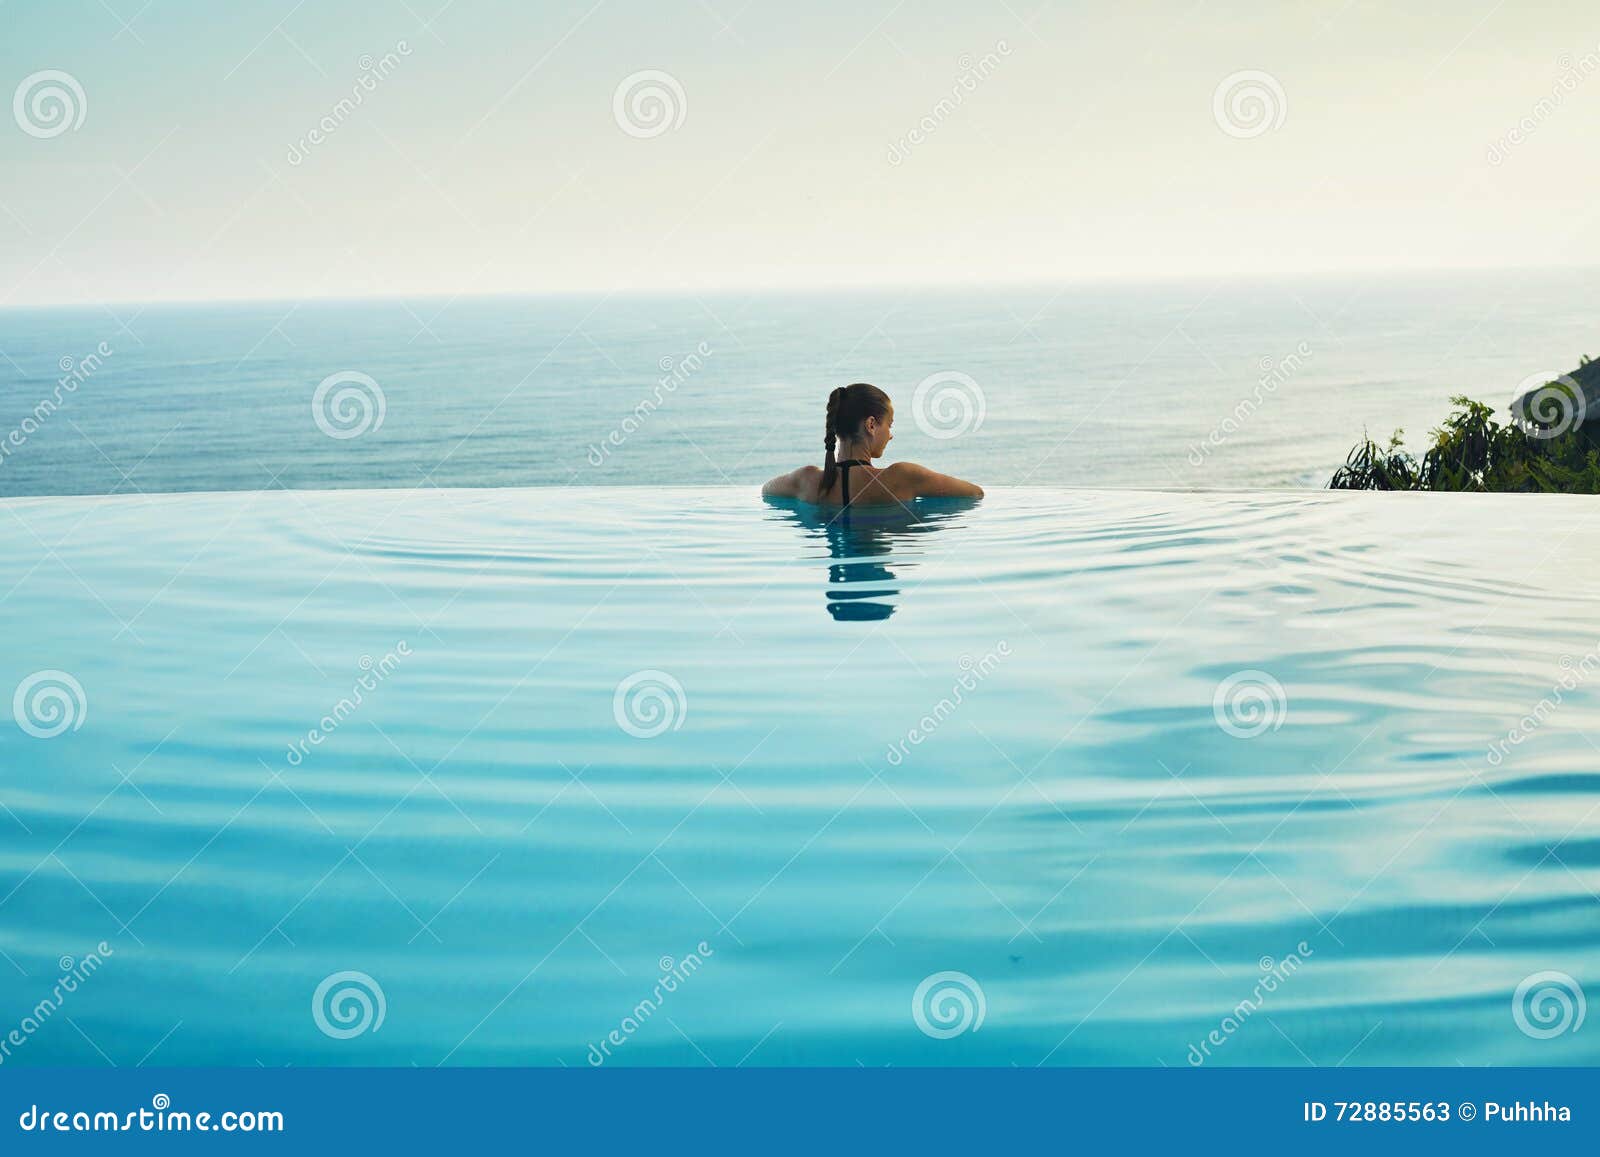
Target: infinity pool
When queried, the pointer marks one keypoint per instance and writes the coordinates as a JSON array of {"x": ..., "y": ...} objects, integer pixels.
[{"x": 580, "y": 776}]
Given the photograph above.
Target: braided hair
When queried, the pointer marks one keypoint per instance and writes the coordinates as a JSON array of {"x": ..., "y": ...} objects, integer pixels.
[{"x": 848, "y": 408}]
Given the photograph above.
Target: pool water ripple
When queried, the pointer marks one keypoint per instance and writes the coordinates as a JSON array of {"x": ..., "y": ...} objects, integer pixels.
[{"x": 1115, "y": 756}]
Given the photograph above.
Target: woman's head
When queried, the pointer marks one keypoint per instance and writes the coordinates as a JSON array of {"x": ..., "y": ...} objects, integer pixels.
[{"x": 859, "y": 416}]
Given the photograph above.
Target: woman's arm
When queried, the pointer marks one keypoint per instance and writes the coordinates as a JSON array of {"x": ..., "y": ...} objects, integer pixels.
[
  {"x": 791, "y": 485},
  {"x": 913, "y": 481}
]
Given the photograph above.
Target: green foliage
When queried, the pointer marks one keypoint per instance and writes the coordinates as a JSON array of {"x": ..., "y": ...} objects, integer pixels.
[
  {"x": 1373, "y": 467},
  {"x": 1471, "y": 451}
]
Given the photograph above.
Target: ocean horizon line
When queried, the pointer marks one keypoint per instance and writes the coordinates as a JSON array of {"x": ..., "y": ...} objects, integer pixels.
[{"x": 813, "y": 289}]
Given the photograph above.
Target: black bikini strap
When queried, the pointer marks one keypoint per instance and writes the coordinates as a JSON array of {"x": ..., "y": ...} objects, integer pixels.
[{"x": 844, "y": 476}]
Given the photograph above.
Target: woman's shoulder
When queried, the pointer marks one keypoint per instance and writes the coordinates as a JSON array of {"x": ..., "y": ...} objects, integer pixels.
[
  {"x": 904, "y": 470},
  {"x": 897, "y": 475},
  {"x": 911, "y": 480},
  {"x": 802, "y": 483}
]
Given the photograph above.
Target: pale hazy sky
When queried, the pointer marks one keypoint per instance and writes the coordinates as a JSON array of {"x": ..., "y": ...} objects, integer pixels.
[{"x": 490, "y": 158}]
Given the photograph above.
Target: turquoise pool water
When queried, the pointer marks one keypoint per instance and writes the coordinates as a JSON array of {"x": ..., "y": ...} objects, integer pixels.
[{"x": 577, "y": 776}]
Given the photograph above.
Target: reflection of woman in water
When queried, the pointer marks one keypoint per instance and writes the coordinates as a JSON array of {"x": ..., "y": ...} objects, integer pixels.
[
  {"x": 861, "y": 582},
  {"x": 860, "y": 421},
  {"x": 870, "y": 550}
]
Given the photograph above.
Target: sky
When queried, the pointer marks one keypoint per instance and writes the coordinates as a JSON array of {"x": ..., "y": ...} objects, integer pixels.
[{"x": 494, "y": 148}]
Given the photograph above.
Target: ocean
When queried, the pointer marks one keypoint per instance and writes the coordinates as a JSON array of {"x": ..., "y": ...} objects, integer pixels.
[{"x": 1196, "y": 384}]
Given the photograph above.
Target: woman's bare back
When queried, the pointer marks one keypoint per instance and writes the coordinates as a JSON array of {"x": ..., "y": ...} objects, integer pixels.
[
  {"x": 860, "y": 424},
  {"x": 871, "y": 485}
]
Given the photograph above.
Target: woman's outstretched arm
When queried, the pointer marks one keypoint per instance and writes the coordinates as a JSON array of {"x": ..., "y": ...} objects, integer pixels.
[{"x": 913, "y": 481}]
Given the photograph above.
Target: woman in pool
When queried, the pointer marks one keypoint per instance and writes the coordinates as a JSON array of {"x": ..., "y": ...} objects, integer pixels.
[{"x": 860, "y": 423}]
